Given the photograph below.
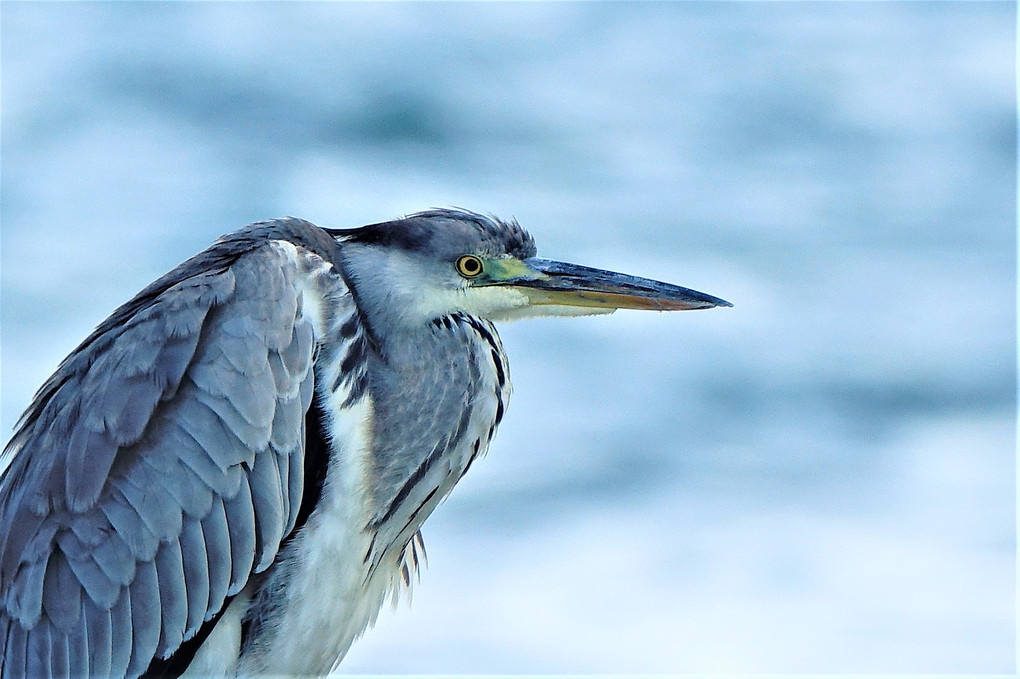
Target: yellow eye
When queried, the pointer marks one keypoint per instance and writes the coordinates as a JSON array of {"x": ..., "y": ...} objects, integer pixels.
[{"x": 469, "y": 266}]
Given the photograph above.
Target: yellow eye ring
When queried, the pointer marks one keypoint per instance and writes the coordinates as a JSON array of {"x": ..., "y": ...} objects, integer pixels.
[{"x": 469, "y": 266}]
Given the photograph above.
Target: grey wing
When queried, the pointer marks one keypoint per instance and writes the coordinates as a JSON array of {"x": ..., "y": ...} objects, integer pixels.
[{"x": 161, "y": 469}]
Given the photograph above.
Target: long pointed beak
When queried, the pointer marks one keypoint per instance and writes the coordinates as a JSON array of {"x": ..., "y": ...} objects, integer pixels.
[{"x": 561, "y": 284}]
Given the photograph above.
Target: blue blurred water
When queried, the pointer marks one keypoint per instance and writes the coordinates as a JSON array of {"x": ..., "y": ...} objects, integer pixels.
[{"x": 821, "y": 479}]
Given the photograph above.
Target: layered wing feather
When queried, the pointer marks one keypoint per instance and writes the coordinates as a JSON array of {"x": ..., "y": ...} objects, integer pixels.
[{"x": 155, "y": 471}]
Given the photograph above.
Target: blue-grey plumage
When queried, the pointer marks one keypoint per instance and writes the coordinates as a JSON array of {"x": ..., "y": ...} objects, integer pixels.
[{"x": 228, "y": 477}]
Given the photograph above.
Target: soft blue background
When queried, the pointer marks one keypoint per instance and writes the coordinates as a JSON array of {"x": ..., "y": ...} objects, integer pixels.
[{"x": 820, "y": 479}]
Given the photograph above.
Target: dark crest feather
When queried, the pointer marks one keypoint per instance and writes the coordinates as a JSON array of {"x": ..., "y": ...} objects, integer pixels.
[{"x": 414, "y": 231}]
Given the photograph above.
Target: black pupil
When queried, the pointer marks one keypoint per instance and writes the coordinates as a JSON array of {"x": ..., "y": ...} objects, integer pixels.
[{"x": 470, "y": 265}]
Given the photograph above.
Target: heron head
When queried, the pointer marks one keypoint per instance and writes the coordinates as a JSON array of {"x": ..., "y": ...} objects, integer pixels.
[{"x": 435, "y": 263}]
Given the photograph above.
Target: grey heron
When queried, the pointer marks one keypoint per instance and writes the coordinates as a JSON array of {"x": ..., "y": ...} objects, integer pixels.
[{"x": 229, "y": 475}]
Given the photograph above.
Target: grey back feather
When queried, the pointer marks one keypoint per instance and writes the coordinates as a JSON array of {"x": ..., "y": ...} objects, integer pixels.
[{"x": 160, "y": 466}]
